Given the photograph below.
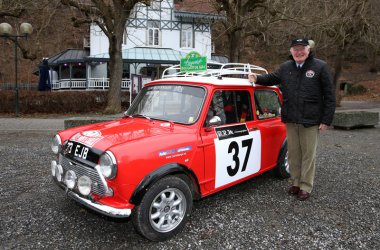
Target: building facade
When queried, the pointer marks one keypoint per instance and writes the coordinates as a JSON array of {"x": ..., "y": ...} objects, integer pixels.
[{"x": 155, "y": 37}]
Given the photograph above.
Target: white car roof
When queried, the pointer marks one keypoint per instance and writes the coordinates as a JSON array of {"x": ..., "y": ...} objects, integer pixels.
[{"x": 217, "y": 81}]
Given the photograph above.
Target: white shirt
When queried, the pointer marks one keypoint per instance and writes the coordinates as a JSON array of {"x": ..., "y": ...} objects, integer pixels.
[{"x": 300, "y": 65}]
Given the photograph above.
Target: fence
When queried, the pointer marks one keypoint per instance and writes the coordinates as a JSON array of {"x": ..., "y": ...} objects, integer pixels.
[{"x": 71, "y": 84}]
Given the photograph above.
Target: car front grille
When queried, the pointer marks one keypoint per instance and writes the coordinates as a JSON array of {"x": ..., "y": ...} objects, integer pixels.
[{"x": 80, "y": 170}]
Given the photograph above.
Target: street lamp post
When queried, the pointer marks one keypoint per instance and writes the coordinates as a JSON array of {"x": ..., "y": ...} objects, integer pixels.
[{"x": 6, "y": 31}]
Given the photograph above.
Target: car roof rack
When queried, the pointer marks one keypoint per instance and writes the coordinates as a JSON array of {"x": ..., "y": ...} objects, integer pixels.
[{"x": 218, "y": 70}]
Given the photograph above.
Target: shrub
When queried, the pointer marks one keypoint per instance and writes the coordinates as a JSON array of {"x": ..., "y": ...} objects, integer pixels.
[{"x": 355, "y": 89}]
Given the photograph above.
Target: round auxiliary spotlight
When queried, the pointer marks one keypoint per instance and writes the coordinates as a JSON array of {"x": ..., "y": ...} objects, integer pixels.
[
  {"x": 58, "y": 172},
  {"x": 53, "y": 166},
  {"x": 70, "y": 179},
  {"x": 84, "y": 185}
]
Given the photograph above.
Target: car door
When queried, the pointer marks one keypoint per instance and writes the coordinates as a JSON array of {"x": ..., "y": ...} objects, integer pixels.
[
  {"x": 233, "y": 148},
  {"x": 268, "y": 120}
]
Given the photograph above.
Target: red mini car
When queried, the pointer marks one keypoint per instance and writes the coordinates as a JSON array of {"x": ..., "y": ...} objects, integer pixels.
[{"x": 183, "y": 138}]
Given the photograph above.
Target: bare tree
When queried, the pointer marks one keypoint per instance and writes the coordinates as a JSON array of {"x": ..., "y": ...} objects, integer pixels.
[
  {"x": 11, "y": 8},
  {"x": 346, "y": 25},
  {"x": 15, "y": 12},
  {"x": 372, "y": 37},
  {"x": 111, "y": 16},
  {"x": 245, "y": 18},
  {"x": 335, "y": 26}
]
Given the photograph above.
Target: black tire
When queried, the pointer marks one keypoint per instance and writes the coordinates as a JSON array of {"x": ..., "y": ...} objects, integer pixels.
[
  {"x": 282, "y": 168},
  {"x": 160, "y": 202}
]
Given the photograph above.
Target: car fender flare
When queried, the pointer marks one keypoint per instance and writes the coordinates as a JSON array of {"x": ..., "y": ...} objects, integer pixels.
[
  {"x": 283, "y": 146},
  {"x": 153, "y": 177}
]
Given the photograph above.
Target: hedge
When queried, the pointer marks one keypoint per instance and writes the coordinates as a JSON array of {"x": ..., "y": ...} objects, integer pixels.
[{"x": 57, "y": 102}]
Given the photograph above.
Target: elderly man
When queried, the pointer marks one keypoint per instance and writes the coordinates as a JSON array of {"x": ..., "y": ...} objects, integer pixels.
[{"x": 308, "y": 107}]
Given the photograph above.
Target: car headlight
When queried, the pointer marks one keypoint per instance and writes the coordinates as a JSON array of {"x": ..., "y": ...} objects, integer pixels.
[
  {"x": 84, "y": 185},
  {"x": 108, "y": 165},
  {"x": 56, "y": 145}
]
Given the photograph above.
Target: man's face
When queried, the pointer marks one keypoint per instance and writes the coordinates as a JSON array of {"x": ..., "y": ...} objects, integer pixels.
[{"x": 300, "y": 53}]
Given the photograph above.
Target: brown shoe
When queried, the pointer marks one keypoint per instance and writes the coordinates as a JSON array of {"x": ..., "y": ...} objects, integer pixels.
[
  {"x": 293, "y": 190},
  {"x": 303, "y": 195}
]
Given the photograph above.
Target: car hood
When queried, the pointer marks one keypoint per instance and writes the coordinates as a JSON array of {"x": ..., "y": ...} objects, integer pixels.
[{"x": 108, "y": 134}]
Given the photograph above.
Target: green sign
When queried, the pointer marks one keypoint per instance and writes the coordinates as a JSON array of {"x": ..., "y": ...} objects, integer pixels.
[{"x": 193, "y": 62}]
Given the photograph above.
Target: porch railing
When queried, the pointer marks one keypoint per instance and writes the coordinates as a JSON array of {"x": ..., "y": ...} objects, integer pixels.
[{"x": 93, "y": 83}]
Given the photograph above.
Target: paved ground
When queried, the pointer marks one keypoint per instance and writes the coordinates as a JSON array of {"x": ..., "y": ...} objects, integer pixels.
[{"x": 343, "y": 212}]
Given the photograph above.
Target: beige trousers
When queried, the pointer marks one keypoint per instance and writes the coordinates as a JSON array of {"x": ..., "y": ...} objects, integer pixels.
[{"x": 302, "y": 148}]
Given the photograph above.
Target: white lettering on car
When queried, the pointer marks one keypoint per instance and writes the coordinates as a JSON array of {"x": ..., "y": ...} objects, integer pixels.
[
  {"x": 85, "y": 152},
  {"x": 81, "y": 153},
  {"x": 76, "y": 150},
  {"x": 69, "y": 148}
]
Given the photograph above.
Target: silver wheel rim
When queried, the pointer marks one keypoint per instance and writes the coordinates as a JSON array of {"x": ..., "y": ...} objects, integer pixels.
[
  {"x": 286, "y": 163},
  {"x": 167, "y": 210}
]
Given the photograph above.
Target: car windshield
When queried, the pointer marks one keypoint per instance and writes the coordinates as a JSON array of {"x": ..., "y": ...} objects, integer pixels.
[{"x": 177, "y": 103}]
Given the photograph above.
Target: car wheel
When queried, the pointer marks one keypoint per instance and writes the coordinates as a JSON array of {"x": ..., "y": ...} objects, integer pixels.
[
  {"x": 164, "y": 209},
  {"x": 282, "y": 169}
]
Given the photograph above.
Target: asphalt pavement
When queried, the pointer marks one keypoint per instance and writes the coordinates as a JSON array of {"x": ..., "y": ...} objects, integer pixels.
[{"x": 342, "y": 213}]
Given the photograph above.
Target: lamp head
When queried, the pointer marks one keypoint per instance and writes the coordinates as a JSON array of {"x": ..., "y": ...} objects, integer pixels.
[
  {"x": 5, "y": 29},
  {"x": 26, "y": 29}
]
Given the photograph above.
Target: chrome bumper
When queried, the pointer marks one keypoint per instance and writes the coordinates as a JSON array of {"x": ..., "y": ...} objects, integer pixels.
[
  {"x": 100, "y": 208},
  {"x": 97, "y": 207}
]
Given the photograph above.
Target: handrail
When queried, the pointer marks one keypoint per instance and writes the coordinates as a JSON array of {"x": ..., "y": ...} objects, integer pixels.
[{"x": 90, "y": 83}]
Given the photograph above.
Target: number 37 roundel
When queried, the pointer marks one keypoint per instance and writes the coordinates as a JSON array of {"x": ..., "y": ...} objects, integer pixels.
[{"x": 238, "y": 153}]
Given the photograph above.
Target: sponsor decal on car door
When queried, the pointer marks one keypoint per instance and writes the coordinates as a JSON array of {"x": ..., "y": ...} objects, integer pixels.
[{"x": 237, "y": 153}]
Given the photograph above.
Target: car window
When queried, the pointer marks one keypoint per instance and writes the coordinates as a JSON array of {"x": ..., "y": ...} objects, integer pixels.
[
  {"x": 230, "y": 106},
  {"x": 177, "y": 103},
  {"x": 267, "y": 104}
]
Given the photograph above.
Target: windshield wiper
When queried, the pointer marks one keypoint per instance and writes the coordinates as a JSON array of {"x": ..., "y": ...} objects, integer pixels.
[{"x": 140, "y": 115}]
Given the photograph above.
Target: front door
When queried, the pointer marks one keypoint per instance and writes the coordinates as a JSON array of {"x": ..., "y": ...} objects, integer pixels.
[{"x": 232, "y": 149}]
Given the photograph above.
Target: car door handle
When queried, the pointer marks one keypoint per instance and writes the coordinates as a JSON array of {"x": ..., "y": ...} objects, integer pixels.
[{"x": 253, "y": 129}]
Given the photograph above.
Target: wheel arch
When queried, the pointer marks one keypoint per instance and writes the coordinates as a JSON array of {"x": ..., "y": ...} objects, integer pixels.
[
  {"x": 283, "y": 147},
  {"x": 180, "y": 170},
  {"x": 281, "y": 169}
]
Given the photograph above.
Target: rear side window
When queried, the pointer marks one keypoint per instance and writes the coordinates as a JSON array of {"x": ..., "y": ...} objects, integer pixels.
[
  {"x": 231, "y": 106},
  {"x": 267, "y": 104}
]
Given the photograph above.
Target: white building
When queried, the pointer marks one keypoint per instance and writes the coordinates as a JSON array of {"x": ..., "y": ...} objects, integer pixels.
[{"x": 156, "y": 37}]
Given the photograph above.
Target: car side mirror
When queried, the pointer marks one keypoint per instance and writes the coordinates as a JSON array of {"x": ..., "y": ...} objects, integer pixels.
[{"x": 213, "y": 122}]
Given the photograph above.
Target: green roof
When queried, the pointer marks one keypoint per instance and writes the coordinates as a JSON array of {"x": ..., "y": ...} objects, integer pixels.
[
  {"x": 68, "y": 56},
  {"x": 145, "y": 55}
]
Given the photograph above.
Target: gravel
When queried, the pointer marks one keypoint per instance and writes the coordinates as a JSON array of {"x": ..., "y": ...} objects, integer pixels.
[{"x": 342, "y": 213}]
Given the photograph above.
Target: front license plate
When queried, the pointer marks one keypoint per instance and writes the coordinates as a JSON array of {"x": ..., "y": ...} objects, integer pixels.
[{"x": 76, "y": 150}]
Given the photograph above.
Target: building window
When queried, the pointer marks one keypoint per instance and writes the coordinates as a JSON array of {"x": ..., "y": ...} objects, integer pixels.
[
  {"x": 153, "y": 33},
  {"x": 187, "y": 36},
  {"x": 156, "y": 5}
]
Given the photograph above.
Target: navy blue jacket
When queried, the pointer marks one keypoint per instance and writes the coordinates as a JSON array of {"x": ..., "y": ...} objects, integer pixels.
[{"x": 308, "y": 93}]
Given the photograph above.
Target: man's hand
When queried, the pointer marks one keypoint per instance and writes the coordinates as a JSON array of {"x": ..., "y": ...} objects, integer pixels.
[
  {"x": 323, "y": 126},
  {"x": 252, "y": 77}
]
